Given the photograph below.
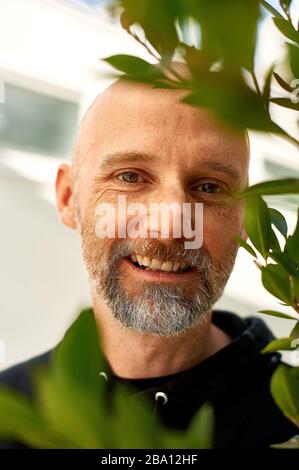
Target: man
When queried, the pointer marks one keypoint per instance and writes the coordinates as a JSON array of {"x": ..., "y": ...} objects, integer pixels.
[{"x": 152, "y": 297}]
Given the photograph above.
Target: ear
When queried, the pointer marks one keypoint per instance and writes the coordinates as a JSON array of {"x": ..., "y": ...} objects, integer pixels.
[
  {"x": 243, "y": 234},
  {"x": 64, "y": 195}
]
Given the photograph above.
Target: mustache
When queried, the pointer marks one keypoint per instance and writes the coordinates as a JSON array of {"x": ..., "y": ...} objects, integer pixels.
[{"x": 153, "y": 248}]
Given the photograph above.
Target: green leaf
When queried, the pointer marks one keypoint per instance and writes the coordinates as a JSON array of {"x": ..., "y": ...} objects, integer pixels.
[
  {"x": 285, "y": 4},
  {"x": 19, "y": 421},
  {"x": 285, "y": 103},
  {"x": 219, "y": 30},
  {"x": 281, "y": 344},
  {"x": 277, "y": 281},
  {"x": 268, "y": 188},
  {"x": 231, "y": 99},
  {"x": 285, "y": 260},
  {"x": 284, "y": 389},
  {"x": 196, "y": 60},
  {"x": 282, "y": 83},
  {"x": 295, "y": 288},
  {"x": 71, "y": 411},
  {"x": 278, "y": 219},
  {"x": 272, "y": 10},
  {"x": 274, "y": 243},
  {"x": 294, "y": 59},
  {"x": 257, "y": 224},
  {"x": 245, "y": 245},
  {"x": 292, "y": 243},
  {"x": 126, "y": 421},
  {"x": 200, "y": 433},
  {"x": 287, "y": 29},
  {"x": 295, "y": 331},
  {"x": 157, "y": 20},
  {"x": 78, "y": 357},
  {"x": 134, "y": 67},
  {"x": 267, "y": 87},
  {"x": 273, "y": 313},
  {"x": 292, "y": 443}
]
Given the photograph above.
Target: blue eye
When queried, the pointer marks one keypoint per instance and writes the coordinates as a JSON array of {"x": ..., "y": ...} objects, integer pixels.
[{"x": 129, "y": 177}]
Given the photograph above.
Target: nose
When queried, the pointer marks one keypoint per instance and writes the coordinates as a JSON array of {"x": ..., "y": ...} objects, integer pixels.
[{"x": 167, "y": 211}]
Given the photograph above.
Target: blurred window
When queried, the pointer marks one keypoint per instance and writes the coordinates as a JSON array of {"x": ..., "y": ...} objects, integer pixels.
[{"x": 36, "y": 122}]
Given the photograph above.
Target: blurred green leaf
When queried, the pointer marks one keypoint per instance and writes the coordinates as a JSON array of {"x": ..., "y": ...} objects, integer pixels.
[
  {"x": 273, "y": 313},
  {"x": 267, "y": 87},
  {"x": 273, "y": 187},
  {"x": 200, "y": 433},
  {"x": 157, "y": 20},
  {"x": 134, "y": 67},
  {"x": 292, "y": 443},
  {"x": 295, "y": 331},
  {"x": 231, "y": 99},
  {"x": 257, "y": 224},
  {"x": 73, "y": 412},
  {"x": 285, "y": 4},
  {"x": 287, "y": 29},
  {"x": 126, "y": 422},
  {"x": 292, "y": 243},
  {"x": 20, "y": 421},
  {"x": 196, "y": 60},
  {"x": 286, "y": 103},
  {"x": 294, "y": 59},
  {"x": 219, "y": 30},
  {"x": 281, "y": 344},
  {"x": 74, "y": 408},
  {"x": 272, "y": 10},
  {"x": 284, "y": 389},
  {"x": 282, "y": 82}
]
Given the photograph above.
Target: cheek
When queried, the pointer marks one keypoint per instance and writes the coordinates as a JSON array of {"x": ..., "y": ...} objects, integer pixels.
[{"x": 220, "y": 226}]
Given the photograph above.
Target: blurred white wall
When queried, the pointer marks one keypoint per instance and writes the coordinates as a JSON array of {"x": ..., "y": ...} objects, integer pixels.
[{"x": 53, "y": 49}]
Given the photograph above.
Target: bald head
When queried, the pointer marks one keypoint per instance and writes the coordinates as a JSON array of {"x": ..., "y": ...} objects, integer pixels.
[{"x": 128, "y": 114}]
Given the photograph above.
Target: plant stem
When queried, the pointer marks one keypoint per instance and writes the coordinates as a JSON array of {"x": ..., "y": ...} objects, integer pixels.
[{"x": 256, "y": 84}]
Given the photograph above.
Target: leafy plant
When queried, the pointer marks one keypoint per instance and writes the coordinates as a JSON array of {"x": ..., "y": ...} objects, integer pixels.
[
  {"x": 278, "y": 262},
  {"x": 217, "y": 40},
  {"x": 74, "y": 408},
  {"x": 220, "y": 58}
]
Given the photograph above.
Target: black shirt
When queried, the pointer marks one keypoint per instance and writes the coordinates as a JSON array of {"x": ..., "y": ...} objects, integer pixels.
[{"x": 235, "y": 380}]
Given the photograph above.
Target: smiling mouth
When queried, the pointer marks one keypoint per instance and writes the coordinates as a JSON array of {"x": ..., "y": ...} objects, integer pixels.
[{"x": 153, "y": 264}]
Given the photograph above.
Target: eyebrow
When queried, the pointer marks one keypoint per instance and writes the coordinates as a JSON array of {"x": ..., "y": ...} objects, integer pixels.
[
  {"x": 222, "y": 167},
  {"x": 112, "y": 159}
]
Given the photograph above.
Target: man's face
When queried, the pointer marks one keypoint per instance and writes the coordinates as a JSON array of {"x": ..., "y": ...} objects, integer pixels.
[{"x": 146, "y": 145}]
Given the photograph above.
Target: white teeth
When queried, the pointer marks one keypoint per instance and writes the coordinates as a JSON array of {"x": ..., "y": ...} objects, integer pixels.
[
  {"x": 146, "y": 261},
  {"x": 175, "y": 267},
  {"x": 166, "y": 266},
  {"x": 139, "y": 259},
  {"x": 155, "y": 264}
]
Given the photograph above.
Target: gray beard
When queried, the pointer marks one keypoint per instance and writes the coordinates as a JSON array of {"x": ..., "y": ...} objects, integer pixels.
[{"x": 164, "y": 310}]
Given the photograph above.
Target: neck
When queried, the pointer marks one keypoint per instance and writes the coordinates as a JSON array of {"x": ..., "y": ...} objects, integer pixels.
[{"x": 135, "y": 355}]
